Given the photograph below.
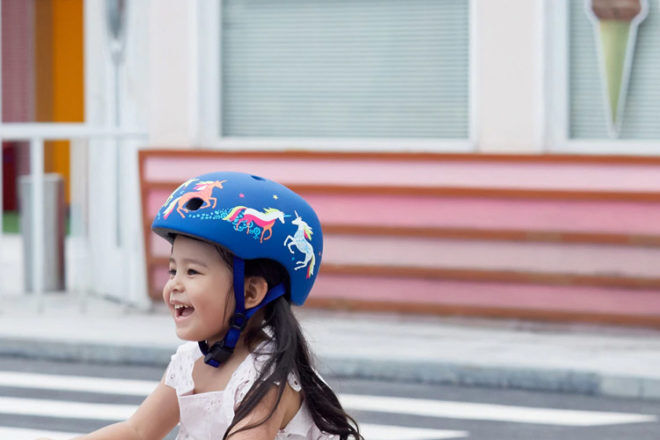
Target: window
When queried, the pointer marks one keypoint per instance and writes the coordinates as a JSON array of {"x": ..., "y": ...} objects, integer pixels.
[
  {"x": 345, "y": 69},
  {"x": 587, "y": 96}
]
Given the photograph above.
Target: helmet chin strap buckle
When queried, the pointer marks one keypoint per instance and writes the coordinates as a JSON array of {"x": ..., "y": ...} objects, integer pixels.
[
  {"x": 217, "y": 354},
  {"x": 222, "y": 350}
]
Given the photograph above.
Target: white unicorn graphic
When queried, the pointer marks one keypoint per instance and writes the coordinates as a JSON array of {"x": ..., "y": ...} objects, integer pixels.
[{"x": 300, "y": 240}]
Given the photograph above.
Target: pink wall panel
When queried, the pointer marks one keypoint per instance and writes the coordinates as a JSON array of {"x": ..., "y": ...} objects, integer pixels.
[
  {"x": 467, "y": 213},
  {"x": 160, "y": 276},
  {"x": 563, "y": 258},
  {"x": 514, "y": 296},
  {"x": 486, "y": 213},
  {"x": 159, "y": 246},
  {"x": 155, "y": 199},
  {"x": 449, "y": 212},
  {"x": 466, "y": 174}
]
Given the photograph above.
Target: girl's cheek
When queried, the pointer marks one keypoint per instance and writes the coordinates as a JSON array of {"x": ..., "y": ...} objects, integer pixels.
[{"x": 166, "y": 291}]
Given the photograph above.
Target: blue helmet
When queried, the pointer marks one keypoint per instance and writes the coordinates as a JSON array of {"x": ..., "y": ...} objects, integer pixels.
[{"x": 251, "y": 216}]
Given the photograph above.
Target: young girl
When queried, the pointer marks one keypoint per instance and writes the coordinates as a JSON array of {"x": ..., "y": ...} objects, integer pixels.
[{"x": 243, "y": 249}]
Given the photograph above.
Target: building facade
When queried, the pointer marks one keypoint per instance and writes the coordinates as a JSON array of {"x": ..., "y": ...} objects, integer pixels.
[{"x": 542, "y": 117}]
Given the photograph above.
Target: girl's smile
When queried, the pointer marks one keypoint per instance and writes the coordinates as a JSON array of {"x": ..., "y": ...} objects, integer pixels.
[
  {"x": 182, "y": 311},
  {"x": 199, "y": 292}
]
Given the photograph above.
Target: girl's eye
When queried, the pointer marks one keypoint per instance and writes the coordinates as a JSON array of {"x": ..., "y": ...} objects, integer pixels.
[
  {"x": 192, "y": 272},
  {"x": 172, "y": 272}
]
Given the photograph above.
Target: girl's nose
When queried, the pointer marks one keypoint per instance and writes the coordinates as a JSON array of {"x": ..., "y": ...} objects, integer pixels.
[{"x": 175, "y": 284}]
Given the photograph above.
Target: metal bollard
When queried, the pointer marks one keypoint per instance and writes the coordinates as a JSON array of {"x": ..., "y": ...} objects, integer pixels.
[{"x": 54, "y": 231}]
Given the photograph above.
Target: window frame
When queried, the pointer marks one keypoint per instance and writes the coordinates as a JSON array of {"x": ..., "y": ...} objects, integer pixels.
[{"x": 209, "y": 125}]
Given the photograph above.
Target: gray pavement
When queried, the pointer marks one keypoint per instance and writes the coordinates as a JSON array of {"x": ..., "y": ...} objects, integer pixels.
[{"x": 499, "y": 353}]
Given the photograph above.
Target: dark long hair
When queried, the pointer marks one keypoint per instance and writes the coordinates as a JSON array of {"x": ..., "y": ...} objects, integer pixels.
[{"x": 290, "y": 354}]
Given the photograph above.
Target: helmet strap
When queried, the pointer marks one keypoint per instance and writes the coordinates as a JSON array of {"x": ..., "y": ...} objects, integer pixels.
[{"x": 219, "y": 352}]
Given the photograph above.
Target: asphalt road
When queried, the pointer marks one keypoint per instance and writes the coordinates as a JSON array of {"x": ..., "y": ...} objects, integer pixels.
[{"x": 55, "y": 399}]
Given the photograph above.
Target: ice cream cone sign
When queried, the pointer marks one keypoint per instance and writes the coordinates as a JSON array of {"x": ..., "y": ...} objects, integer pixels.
[{"x": 615, "y": 24}]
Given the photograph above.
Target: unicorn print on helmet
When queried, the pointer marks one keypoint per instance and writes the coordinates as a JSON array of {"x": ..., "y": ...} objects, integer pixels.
[
  {"x": 300, "y": 241},
  {"x": 248, "y": 216},
  {"x": 203, "y": 191}
]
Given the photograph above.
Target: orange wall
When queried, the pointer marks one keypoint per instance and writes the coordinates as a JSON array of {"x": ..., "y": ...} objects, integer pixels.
[{"x": 59, "y": 73}]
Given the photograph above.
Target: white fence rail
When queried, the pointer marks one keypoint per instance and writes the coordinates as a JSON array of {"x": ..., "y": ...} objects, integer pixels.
[{"x": 36, "y": 134}]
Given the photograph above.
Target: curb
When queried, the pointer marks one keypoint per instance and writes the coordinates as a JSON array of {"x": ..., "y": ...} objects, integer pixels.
[{"x": 440, "y": 372}]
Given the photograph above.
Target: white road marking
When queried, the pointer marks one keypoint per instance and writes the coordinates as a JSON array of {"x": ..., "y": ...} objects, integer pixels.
[
  {"x": 369, "y": 431},
  {"x": 396, "y": 405},
  {"x": 31, "y": 434},
  {"x": 99, "y": 385},
  {"x": 65, "y": 409},
  {"x": 483, "y": 411},
  {"x": 388, "y": 432}
]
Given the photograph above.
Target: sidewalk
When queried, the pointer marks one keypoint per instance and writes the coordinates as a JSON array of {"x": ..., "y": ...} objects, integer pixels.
[{"x": 554, "y": 357}]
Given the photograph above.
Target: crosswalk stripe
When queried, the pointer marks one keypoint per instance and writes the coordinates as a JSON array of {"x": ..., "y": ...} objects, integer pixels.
[
  {"x": 65, "y": 409},
  {"x": 31, "y": 434},
  {"x": 101, "y": 385},
  {"x": 369, "y": 431},
  {"x": 433, "y": 408},
  {"x": 414, "y": 406},
  {"x": 482, "y": 411},
  {"x": 388, "y": 432}
]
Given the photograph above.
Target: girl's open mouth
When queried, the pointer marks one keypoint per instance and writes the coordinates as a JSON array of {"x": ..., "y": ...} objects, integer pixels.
[{"x": 181, "y": 311}]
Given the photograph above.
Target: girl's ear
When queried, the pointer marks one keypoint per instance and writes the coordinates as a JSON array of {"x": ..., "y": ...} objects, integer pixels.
[{"x": 255, "y": 291}]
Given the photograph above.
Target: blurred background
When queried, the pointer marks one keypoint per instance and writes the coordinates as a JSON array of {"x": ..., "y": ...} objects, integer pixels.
[
  {"x": 506, "y": 150},
  {"x": 473, "y": 158}
]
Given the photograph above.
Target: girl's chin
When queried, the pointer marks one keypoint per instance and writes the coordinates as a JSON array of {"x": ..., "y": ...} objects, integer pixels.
[
  {"x": 182, "y": 334},
  {"x": 188, "y": 335}
]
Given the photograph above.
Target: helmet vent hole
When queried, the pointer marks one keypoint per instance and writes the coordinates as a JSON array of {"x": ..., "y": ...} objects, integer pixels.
[
  {"x": 194, "y": 204},
  {"x": 257, "y": 178}
]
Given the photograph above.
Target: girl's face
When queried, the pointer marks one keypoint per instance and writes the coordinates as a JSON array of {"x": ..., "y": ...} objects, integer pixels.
[{"x": 199, "y": 292}]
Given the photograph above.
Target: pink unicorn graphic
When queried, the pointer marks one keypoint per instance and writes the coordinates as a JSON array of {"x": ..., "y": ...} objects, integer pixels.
[
  {"x": 203, "y": 190},
  {"x": 265, "y": 220},
  {"x": 300, "y": 241}
]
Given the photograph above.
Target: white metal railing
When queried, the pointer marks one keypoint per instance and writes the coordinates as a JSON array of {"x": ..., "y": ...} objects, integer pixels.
[{"x": 36, "y": 134}]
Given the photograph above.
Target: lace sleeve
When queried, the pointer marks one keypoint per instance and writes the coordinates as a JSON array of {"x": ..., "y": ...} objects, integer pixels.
[{"x": 179, "y": 371}]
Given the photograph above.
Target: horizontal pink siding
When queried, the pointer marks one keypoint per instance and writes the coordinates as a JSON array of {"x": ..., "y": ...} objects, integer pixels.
[
  {"x": 503, "y": 295},
  {"x": 564, "y": 258},
  {"x": 160, "y": 275},
  {"x": 476, "y": 213},
  {"x": 558, "y": 258},
  {"x": 465, "y": 174},
  {"x": 159, "y": 246},
  {"x": 628, "y": 256},
  {"x": 461, "y": 293},
  {"x": 482, "y": 213}
]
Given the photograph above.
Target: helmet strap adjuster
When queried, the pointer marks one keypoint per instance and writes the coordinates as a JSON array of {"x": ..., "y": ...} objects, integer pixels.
[{"x": 239, "y": 321}]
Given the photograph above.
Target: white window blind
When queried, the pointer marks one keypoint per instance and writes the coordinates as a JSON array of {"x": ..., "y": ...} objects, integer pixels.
[
  {"x": 345, "y": 68},
  {"x": 588, "y": 114}
]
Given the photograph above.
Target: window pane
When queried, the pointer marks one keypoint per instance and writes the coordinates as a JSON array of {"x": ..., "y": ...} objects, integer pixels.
[
  {"x": 345, "y": 68},
  {"x": 588, "y": 112}
]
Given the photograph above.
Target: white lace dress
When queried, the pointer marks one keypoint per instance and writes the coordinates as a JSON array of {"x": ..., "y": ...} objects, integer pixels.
[{"x": 206, "y": 416}]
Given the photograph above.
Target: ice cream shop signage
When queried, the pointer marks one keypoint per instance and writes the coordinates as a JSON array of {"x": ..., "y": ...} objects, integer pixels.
[{"x": 615, "y": 24}]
